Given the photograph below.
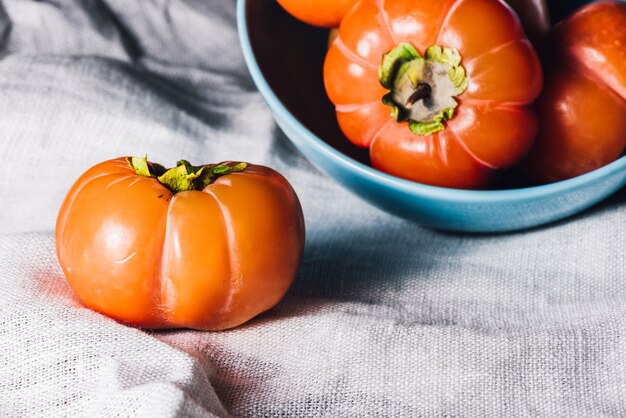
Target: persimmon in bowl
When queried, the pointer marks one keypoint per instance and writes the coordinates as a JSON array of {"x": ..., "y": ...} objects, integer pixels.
[{"x": 286, "y": 60}]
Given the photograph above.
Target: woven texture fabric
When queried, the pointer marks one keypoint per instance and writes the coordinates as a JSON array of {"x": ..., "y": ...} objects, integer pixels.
[{"x": 384, "y": 319}]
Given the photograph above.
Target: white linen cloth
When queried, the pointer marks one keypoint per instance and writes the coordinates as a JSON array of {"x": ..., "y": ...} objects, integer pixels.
[{"x": 385, "y": 318}]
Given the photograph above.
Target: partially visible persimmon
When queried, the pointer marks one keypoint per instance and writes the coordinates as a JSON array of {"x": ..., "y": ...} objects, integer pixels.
[
  {"x": 582, "y": 110},
  {"x": 205, "y": 247},
  {"x": 322, "y": 13}
]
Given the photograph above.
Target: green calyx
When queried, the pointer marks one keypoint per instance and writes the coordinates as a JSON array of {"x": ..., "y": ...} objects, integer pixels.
[
  {"x": 184, "y": 177},
  {"x": 422, "y": 90}
]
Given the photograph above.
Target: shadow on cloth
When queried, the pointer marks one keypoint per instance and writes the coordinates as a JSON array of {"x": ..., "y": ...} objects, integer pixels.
[{"x": 355, "y": 266}]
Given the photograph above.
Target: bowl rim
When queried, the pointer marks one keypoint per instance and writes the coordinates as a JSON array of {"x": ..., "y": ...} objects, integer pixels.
[{"x": 408, "y": 186}]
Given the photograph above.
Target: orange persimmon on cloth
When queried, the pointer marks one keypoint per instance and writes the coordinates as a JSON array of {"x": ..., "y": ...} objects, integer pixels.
[
  {"x": 582, "y": 110},
  {"x": 449, "y": 103},
  {"x": 205, "y": 247}
]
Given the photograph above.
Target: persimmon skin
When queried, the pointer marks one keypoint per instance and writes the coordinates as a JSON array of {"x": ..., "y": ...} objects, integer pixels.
[
  {"x": 504, "y": 73},
  {"x": 582, "y": 111},
  {"x": 322, "y": 13},
  {"x": 208, "y": 260}
]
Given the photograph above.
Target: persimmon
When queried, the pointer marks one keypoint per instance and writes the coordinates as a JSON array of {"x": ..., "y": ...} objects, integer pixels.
[
  {"x": 582, "y": 111},
  {"x": 323, "y": 13},
  {"x": 450, "y": 102},
  {"x": 205, "y": 247}
]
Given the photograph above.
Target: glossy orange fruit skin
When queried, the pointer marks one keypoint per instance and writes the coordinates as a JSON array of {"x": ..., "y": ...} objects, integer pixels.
[
  {"x": 322, "y": 13},
  {"x": 583, "y": 107},
  {"x": 207, "y": 260},
  {"x": 494, "y": 125}
]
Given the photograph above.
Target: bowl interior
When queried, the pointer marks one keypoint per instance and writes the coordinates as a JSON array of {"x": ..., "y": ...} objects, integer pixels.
[{"x": 290, "y": 55}]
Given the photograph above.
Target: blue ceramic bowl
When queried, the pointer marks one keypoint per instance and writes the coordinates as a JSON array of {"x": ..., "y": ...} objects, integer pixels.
[{"x": 285, "y": 60}]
